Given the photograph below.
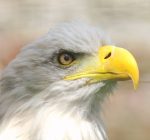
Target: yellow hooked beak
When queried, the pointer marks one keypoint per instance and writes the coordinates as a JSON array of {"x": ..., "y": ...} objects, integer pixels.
[{"x": 110, "y": 63}]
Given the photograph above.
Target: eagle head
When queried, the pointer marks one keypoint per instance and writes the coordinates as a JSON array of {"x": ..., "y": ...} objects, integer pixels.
[{"x": 53, "y": 89}]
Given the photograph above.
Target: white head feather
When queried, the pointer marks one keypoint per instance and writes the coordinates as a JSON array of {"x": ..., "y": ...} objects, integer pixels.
[{"x": 37, "y": 104}]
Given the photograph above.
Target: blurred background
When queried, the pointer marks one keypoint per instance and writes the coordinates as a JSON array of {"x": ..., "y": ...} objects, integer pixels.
[{"x": 127, "y": 112}]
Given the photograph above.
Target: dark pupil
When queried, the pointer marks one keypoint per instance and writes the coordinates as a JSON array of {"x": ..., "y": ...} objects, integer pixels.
[{"x": 66, "y": 57}]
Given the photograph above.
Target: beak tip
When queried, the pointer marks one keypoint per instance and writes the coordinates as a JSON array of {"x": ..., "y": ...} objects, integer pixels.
[{"x": 136, "y": 84}]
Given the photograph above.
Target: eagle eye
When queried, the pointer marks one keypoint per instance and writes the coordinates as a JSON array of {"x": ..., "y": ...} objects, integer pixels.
[{"x": 65, "y": 58}]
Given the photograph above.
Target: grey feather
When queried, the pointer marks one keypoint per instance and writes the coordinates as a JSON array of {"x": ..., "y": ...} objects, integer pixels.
[{"x": 37, "y": 104}]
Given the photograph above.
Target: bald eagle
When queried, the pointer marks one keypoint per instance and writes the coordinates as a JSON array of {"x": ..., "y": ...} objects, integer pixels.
[{"x": 54, "y": 87}]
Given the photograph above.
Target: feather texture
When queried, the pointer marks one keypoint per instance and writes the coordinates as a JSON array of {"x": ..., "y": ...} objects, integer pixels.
[{"x": 37, "y": 104}]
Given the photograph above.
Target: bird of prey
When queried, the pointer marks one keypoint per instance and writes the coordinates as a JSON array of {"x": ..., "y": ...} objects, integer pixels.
[{"x": 53, "y": 89}]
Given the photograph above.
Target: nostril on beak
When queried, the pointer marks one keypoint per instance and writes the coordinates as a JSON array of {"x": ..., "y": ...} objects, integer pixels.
[{"x": 108, "y": 55}]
